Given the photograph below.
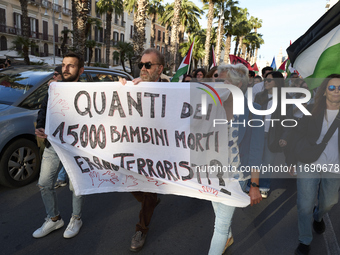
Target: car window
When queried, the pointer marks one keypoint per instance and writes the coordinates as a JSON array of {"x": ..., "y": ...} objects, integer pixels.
[
  {"x": 16, "y": 82},
  {"x": 34, "y": 100},
  {"x": 103, "y": 77},
  {"x": 83, "y": 77}
]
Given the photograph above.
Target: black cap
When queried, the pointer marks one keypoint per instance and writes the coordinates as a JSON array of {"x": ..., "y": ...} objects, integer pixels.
[{"x": 58, "y": 69}]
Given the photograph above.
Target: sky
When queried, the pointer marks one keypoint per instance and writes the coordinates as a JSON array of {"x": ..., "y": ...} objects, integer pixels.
[{"x": 282, "y": 21}]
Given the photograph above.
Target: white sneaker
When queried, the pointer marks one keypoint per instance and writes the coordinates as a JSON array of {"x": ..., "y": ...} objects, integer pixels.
[
  {"x": 73, "y": 227},
  {"x": 48, "y": 226}
]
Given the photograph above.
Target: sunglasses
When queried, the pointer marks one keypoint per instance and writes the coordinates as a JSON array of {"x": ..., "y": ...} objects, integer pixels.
[
  {"x": 268, "y": 80},
  {"x": 56, "y": 74},
  {"x": 216, "y": 75},
  {"x": 333, "y": 87},
  {"x": 147, "y": 65}
]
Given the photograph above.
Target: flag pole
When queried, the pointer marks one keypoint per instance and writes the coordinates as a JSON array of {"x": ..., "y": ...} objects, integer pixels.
[{"x": 191, "y": 57}]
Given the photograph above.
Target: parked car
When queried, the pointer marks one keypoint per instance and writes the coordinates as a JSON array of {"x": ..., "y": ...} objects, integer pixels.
[{"x": 22, "y": 90}]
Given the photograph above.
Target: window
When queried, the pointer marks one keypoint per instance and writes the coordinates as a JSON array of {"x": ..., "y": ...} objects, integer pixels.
[
  {"x": 159, "y": 35},
  {"x": 158, "y": 48},
  {"x": 17, "y": 23},
  {"x": 102, "y": 77},
  {"x": 163, "y": 36},
  {"x": 45, "y": 49},
  {"x": 2, "y": 20},
  {"x": 131, "y": 31},
  {"x": 122, "y": 37},
  {"x": 45, "y": 30},
  {"x": 56, "y": 32},
  {"x": 116, "y": 18},
  {"x": 115, "y": 38},
  {"x": 3, "y": 43},
  {"x": 34, "y": 100},
  {"x": 33, "y": 28},
  {"x": 162, "y": 50}
]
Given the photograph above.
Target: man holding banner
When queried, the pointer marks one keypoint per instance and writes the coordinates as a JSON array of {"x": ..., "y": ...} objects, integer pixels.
[
  {"x": 72, "y": 68},
  {"x": 151, "y": 67}
]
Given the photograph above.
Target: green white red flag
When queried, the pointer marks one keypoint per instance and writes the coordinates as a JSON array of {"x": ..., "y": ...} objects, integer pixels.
[
  {"x": 316, "y": 54},
  {"x": 184, "y": 67}
]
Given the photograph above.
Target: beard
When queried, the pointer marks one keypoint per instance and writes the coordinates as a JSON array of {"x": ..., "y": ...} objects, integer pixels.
[
  {"x": 146, "y": 76},
  {"x": 70, "y": 78}
]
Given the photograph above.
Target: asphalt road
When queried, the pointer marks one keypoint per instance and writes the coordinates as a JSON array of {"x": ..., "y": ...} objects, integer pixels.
[{"x": 180, "y": 225}]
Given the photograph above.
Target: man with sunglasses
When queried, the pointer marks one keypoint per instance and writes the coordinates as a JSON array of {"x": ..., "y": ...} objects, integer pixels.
[
  {"x": 151, "y": 67},
  {"x": 320, "y": 179},
  {"x": 72, "y": 68}
]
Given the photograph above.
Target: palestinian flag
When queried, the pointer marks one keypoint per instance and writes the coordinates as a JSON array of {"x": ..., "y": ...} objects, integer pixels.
[
  {"x": 316, "y": 54},
  {"x": 255, "y": 68},
  {"x": 184, "y": 67},
  {"x": 282, "y": 67}
]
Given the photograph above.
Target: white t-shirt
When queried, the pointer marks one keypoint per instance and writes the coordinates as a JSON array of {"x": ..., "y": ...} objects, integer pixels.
[{"x": 331, "y": 153}]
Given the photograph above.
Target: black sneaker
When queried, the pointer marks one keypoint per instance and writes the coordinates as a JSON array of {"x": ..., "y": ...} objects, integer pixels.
[
  {"x": 319, "y": 227},
  {"x": 302, "y": 249}
]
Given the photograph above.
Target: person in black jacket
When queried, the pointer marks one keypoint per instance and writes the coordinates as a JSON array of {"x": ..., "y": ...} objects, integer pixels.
[
  {"x": 72, "y": 68},
  {"x": 318, "y": 180}
]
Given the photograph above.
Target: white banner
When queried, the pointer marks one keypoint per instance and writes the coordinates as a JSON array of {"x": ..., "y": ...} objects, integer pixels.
[{"x": 150, "y": 137}]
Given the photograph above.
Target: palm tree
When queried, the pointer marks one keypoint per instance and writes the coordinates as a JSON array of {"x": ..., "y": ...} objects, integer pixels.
[
  {"x": 155, "y": 8},
  {"x": 90, "y": 44},
  {"x": 174, "y": 35},
  {"x": 190, "y": 15},
  {"x": 241, "y": 27},
  {"x": 108, "y": 6},
  {"x": 256, "y": 24},
  {"x": 25, "y": 30},
  {"x": 198, "y": 50},
  {"x": 231, "y": 30},
  {"x": 80, "y": 11},
  {"x": 125, "y": 52}
]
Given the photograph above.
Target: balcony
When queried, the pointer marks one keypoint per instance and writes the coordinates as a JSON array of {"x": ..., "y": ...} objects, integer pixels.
[
  {"x": 46, "y": 4},
  {"x": 39, "y": 36},
  {"x": 67, "y": 12},
  {"x": 56, "y": 8},
  {"x": 35, "y": 2}
]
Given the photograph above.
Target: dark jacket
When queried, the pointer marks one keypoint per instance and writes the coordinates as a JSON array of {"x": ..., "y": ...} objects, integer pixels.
[
  {"x": 42, "y": 113},
  {"x": 308, "y": 128}
]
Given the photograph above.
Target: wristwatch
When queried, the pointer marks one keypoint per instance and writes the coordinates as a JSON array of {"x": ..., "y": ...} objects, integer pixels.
[{"x": 254, "y": 184}]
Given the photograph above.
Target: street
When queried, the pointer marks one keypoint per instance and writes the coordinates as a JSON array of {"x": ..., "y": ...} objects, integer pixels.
[{"x": 180, "y": 225}]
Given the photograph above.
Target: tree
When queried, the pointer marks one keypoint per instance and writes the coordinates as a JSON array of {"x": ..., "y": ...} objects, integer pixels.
[
  {"x": 125, "y": 53},
  {"x": 90, "y": 44},
  {"x": 25, "y": 31},
  {"x": 80, "y": 11},
  {"x": 174, "y": 35},
  {"x": 108, "y": 6},
  {"x": 198, "y": 50},
  {"x": 20, "y": 43}
]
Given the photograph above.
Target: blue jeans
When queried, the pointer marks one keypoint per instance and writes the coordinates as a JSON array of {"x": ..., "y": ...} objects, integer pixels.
[
  {"x": 62, "y": 174},
  {"x": 312, "y": 187},
  {"x": 222, "y": 231},
  {"x": 48, "y": 176},
  {"x": 267, "y": 159}
]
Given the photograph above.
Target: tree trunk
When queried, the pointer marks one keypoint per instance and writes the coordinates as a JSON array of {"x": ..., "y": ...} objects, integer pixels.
[
  {"x": 227, "y": 49},
  {"x": 244, "y": 47},
  {"x": 80, "y": 12},
  {"x": 240, "y": 46},
  {"x": 90, "y": 56},
  {"x": 139, "y": 36},
  {"x": 153, "y": 29},
  {"x": 255, "y": 57},
  {"x": 236, "y": 45},
  {"x": 25, "y": 30},
  {"x": 219, "y": 42},
  {"x": 174, "y": 36},
  {"x": 108, "y": 36},
  {"x": 208, "y": 36}
]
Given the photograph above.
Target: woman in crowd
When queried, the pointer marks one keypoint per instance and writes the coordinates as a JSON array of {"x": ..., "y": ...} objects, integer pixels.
[
  {"x": 200, "y": 74},
  {"x": 186, "y": 78},
  {"x": 212, "y": 74},
  {"x": 276, "y": 136},
  {"x": 245, "y": 149}
]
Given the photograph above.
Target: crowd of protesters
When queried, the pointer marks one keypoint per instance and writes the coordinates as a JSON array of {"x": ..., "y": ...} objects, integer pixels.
[{"x": 317, "y": 192}]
